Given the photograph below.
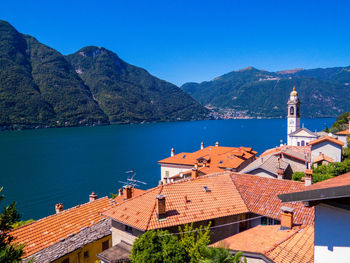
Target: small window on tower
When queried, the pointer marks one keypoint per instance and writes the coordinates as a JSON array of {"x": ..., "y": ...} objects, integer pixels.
[
  {"x": 166, "y": 173},
  {"x": 291, "y": 110}
]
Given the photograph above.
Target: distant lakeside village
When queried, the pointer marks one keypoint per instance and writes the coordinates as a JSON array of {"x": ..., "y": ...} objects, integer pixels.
[{"x": 250, "y": 202}]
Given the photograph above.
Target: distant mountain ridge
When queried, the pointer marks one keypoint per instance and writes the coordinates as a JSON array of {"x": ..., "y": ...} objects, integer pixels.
[
  {"x": 258, "y": 93},
  {"x": 40, "y": 87}
]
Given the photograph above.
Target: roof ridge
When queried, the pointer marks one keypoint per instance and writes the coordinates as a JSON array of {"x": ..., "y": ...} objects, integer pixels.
[
  {"x": 154, "y": 207},
  {"x": 237, "y": 188}
]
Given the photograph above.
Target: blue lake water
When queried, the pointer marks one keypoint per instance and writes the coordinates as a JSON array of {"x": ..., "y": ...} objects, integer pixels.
[{"x": 40, "y": 168}]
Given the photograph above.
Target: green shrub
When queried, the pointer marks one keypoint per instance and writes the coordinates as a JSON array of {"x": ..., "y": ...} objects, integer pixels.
[{"x": 297, "y": 176}]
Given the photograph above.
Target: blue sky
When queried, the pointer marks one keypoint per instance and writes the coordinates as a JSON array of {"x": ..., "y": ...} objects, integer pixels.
[{"x": 182, "y": 41}]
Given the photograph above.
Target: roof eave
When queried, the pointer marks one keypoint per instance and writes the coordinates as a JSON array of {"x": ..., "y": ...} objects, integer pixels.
[{"x": 317, "y": 194}]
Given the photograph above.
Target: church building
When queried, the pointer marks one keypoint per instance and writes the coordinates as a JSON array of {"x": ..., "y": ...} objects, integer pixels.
[{"x": 297, "y": 136}]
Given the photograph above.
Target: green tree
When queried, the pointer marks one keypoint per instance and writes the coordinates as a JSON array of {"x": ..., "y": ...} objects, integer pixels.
[
  {"x": 223, "y": 255},
  {"x": 191, "y": 245},
  {"x": 9, "y": 252},
  {"x": 340, "y": 123},
  {"x": 157, "y": 246}
]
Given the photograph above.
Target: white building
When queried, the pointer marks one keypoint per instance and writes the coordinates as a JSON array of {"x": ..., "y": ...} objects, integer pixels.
[
  {"x": 297, "y": 136},
  {"x": 332, "y": 217},
  {"x": 326, "y": 146}
]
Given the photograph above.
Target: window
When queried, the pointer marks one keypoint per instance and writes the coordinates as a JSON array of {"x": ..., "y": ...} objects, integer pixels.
[
  {"x": 128, "y": 229},
  {"x": 166, "y": 173},
  {"x": 269, "y": 221},
  {"x": 86, "y": 254},
  {"x": 302, "y": 143},
  {"x": 291, "y": 111},
  {"x": 105, "y": 245},
  {"x": 298, "y": 143},
  {"x": 65, "y": 260}
]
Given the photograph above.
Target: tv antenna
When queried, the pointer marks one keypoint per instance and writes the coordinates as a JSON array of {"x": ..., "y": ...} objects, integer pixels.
[{"x": 131, "y": 181}]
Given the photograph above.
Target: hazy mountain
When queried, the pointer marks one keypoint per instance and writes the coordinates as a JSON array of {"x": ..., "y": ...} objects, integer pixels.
[{"x": 259, "y": 93}]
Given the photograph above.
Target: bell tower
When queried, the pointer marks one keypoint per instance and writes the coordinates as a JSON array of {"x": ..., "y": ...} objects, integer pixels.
[{"x": 293, "y": 117}]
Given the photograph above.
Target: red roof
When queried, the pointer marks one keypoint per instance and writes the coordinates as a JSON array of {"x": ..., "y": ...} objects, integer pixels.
[
  {"x": 340, "y": 180},
  {"x": 345, "y": 132},
  {"x": 261, "y": 196},
  {"x": 219, "y": 156},
  {"x": 294, "y": 245},
  {"x": 326, "y": 138},
  {"x": 229, "y": 194},
  {"x": 304, "y": 150},
  {"x": 49, "y": 230}
]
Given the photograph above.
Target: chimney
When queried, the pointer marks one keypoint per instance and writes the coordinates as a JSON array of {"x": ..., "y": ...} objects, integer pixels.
[
  {"x": 280, "y": 173},
  {"x": 286, "y": 217},
  {"x": 120, "y": 191},
  {"x": 194, "y": 173},
  {"x": 217, "y": 144},
  {"x": 202, "y": 145},
  {"x": 172, "y": 152},
  {"x": 161, "y": 212},
  {"x": 92, "y": 197},
  {"x": 128, "y": 192},
  {"x": 308, "y": 177},
  {"x": 59, "y": 208}
]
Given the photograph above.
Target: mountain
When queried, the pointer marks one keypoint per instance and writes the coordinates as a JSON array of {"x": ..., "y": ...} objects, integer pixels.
[
  {"x": 41, "y": 87},
  {"x": 257, "y": 93},
  {"x": 127, "y": 93}
]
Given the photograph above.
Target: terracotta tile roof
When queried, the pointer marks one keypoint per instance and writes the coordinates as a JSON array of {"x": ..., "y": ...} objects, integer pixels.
[
  {"x": 49, "y": 230},
  {"x": 340, "y": 180},
  {"x": 326, "y": 138},
  {"x": 122, "y": 198},
  {"x": 294, "y": 245},
  {"x": 346, "y": 132},
  {"x": 230, "y": 194},
  {"x": 221, "y": 200},
  {"x": 299, "y": 248},
  {"x": 261, "y": 196},
  {"x": 270, "y": 163},
  {"x": 295, "y": 151},
  {"x": 217, "y": 156},
  {"x": 323, "y": 157}
]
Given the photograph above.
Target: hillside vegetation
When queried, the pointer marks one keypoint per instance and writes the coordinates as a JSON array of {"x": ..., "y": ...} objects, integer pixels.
[
  {"x": 128, "y": 93},
  {"x": 259, "y": 93},
  {"x": 39, "y": 87}
]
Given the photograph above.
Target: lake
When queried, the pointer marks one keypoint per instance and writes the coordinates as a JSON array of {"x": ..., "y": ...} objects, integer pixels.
[{"x": 40, "y": 168}]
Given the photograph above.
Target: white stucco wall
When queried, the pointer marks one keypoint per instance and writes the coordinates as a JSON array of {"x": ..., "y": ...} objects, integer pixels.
[
  {"x": 332, "y": 234},
  {"x": 293, "y": 140},
  {"x": 343, "y": 138},
  {"x": 330, "y": 149},
  {"x": 119, "y": 234},
  {"x": 173, "y": 169}
]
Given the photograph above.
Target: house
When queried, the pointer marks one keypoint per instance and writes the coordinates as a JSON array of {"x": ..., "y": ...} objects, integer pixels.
[
  {"x": 328, "y": 146},
  {"x": 331, "y": 199},
  {"x": 343, "y": 135},
  {"x": 217, "y": 156},
  {"x": 271, "y": 166},
  {"x": 77, "y": 234},
  {"x": 232, "y": 202},
  {"x": 296, "y": 156}
]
